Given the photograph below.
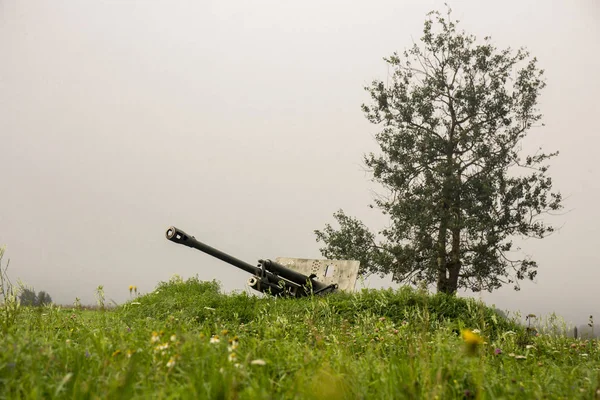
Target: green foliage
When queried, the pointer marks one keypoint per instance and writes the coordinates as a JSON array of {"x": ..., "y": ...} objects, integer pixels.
[
  {"x": 453, "y": 115},
  {"x": 43, "y": 298},
  {"x": 365, "y": 345},
  {"x": 29, "y": 298},
  {"x": 100, "y": 298},
  {"x": 192, "y": 300},
  {"x": 9, "y": 303}
]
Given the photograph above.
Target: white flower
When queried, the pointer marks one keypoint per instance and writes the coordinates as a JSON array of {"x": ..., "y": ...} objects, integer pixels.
[
  {"x": 583, "y": 355},
  {"x": 173, "y": 338},
  {"x": 214, "y": 339},
  {"x": 171, "y": 363},
  {"x": 258, "y": 362},
  {"x": 233, "y": 344},
  {"x": 232, "y": 357},
  {"x": 162, "y": 347},
  {"x": 477, "y": 331}
]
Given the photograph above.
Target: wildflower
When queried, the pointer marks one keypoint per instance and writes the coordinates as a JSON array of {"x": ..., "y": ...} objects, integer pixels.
[
  {"x": 472, "y": 340},
  {"x": 130, "y": 288},
  {"x": 68, "y": 341},
  {"x": 130, "y": 353},
  {"x": 173, "y": 338},
  {"x": 171, "y": 363},
  {"x": 258, "y": 362},
  {"x": 583, "y": 355},
  {"x": 477, "y": 331},
  {"x": 498, "y": 351},
  {"x": 232, "y": 357},
  {"x": 224, "y": 332},
  {"x": 163, "y": 346},
  {"x": 233, "y": 344},
  {"x": 155, "y": 337},
  {"x": 214, "y": 339}
]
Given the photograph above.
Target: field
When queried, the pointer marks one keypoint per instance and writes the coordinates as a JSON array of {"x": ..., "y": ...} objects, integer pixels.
[{"x": 187, "y": 340}]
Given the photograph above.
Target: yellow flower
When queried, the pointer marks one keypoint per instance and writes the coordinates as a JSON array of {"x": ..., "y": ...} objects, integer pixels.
[
  {"x": 130, "y": 288},
  {"x": 472, "y": 340},
  {"x": 471, "y": 337}
]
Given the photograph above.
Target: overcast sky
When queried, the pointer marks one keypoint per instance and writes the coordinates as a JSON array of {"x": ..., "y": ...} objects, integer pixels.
[{"x": 240, "y": 123}]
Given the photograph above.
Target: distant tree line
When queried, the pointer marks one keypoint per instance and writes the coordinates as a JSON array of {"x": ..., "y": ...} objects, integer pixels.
[{"x": 28, "y": 297}]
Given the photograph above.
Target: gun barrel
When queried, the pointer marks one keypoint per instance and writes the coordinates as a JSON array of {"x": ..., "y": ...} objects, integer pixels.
[{"x": 180, "y": 237}]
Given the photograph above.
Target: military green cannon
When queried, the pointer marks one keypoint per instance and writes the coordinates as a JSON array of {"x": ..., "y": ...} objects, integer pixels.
[{"x": 274, "y": 278}]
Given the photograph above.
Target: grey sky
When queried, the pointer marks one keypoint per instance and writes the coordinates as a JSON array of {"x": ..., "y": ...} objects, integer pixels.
[{"x": 240, "y": 123}]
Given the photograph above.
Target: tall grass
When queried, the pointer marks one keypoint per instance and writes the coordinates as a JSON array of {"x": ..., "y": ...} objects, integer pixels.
[{"x": 188, "y": 340}]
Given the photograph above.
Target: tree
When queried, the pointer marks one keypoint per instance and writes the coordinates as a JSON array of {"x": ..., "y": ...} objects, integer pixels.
[
  {"x": 43, "y": 298},
  {"x": 28, "y": 297},
  {"x": 453, "y": 117}
]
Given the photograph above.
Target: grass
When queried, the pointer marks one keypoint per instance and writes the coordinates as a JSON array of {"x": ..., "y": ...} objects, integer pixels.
[{"x": 187, "y": 340}]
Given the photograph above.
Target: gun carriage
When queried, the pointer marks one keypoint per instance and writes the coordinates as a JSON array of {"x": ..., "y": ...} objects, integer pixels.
[{"x": 274, "y": 278}]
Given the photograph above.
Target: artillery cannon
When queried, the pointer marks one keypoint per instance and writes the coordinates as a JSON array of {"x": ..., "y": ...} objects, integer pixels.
[{"x": 271, "y": 277}]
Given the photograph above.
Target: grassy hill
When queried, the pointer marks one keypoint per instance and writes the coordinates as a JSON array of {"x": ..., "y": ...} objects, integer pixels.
[{"x": 188, "y": 340}]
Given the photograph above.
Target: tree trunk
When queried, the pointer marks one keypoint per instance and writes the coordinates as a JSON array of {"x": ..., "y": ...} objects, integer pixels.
[
  {"x": 442, "y": 279},
  {"x": 455, "y": 264},
  {"x": 442, "y": 266}
]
